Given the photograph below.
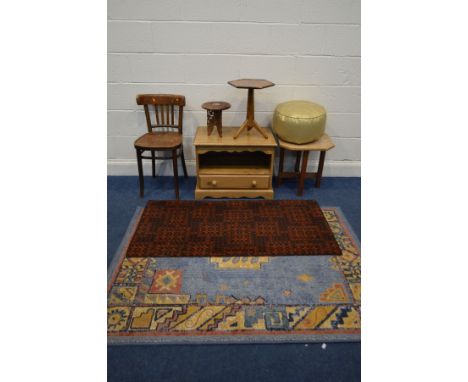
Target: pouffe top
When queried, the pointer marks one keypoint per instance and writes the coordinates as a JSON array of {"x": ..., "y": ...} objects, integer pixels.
[{"x": 300, "y": 109}]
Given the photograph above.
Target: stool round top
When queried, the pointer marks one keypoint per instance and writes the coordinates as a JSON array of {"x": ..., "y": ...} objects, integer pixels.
[
  {"x": 216, "y": 105},
  {"x": 300, "y": 110}
]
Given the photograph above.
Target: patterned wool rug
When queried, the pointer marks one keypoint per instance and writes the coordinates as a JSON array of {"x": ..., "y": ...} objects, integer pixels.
[
  {"x": 156, "y": 300},
  {"x": 230, "y": 228}
]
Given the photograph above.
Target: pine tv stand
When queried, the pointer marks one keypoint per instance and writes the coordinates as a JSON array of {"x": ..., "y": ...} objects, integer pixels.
[{"x": 234, "y": 168}]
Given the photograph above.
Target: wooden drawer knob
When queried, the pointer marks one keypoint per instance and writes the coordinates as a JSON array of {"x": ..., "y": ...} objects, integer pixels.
[
  {"x": 213, "y": 183},
  {"x": 254, "y": 183}
]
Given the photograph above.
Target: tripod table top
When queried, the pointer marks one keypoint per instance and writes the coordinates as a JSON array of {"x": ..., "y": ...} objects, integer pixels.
[{"x": 251, "y": 83}]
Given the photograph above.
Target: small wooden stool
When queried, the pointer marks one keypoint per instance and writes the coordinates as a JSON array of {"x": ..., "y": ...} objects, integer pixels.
[
  {"x": 323, "y": 144},
  {"x": 215, "y": 116}
]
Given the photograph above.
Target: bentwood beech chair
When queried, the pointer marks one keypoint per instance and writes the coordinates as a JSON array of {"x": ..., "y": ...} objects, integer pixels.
[{"x": 167, "y": 137}]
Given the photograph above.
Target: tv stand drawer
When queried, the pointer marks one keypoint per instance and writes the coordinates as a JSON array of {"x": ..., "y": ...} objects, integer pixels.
[{"x": 234, "y": 182}]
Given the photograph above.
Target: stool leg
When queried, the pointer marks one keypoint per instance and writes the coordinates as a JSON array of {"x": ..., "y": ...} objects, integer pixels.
[
  {"x": 298, "y": 161},
  {"x": 176, "y": 174},
  {"x": 280, "y": 170},
  {"x": 320, "y": 169},
  {"x": 300, "y": 187},
  {"x": 153, "y": 164},
  {"x": 140, "y": 172}
]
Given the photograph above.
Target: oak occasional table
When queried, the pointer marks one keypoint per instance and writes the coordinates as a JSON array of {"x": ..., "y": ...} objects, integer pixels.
[
  {"x": 323, "y": 144},
  {"x": 250, "y": 85},
  {"x": 234, "y": 168}
]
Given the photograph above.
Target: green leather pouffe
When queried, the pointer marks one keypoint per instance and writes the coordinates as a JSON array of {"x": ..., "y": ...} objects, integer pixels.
[{"x": 299, "y": 121}]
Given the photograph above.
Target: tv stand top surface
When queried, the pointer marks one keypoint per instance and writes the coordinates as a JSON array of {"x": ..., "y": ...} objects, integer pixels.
[{"x": 249, "y": 138}]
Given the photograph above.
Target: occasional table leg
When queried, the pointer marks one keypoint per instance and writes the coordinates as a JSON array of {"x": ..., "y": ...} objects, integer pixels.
[
  {"x": 209, "y": 128},
  {"x": 140, "y": 172},
  {"x": 241, "y": 129},
  {"x": 250, "y": 122},
  {"x": 259, "y": 129},
  {"x": 176, "y": 174},
  {"x": 300, "y": 187},
  {"x": 250, "y": 107},
  {"x": 320, "y": 169},
  {"x": 280, "y": 170},
  {"x": 212, "y": 121},
  {"x": 298, "y": 161},
  {"x": 219, "y": 124}
]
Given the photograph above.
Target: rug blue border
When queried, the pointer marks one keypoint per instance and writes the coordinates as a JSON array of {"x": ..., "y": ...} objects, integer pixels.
[
  {"x": 348, "y": 225},
  {"x": 225, "y": 339},
  {"x": 118, "y": 253}
]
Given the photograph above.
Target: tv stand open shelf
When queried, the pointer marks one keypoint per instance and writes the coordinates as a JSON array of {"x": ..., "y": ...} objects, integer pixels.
[{"x": 234, "y": 168}]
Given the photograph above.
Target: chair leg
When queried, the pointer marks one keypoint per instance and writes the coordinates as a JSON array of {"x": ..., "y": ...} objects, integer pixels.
[
  {"x": 298, "y": 161},
  {"x": 182, "y": 158},
  {"x": 153, "y": 160},
  {"x": 280, "y": 169},
  {"x": 140, "y": 172},
  {"x": 300, "y": 187},
  {"x": 320, "y": 169},
  {"x": 176, "y": 174}
]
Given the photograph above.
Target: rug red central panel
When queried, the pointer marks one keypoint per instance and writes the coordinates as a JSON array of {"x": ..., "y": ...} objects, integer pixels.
[{"x": 232, "y": 228}]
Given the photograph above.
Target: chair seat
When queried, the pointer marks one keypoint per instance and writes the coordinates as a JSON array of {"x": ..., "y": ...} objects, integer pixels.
[{"x": 159, "y": 140}]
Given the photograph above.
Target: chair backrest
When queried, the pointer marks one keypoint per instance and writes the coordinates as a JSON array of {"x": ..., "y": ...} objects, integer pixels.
[{"x": 167, "y": 114}]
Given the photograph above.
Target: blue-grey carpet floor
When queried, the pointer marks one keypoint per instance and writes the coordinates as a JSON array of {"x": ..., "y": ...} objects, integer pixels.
[{"x": 280, "y": 362}]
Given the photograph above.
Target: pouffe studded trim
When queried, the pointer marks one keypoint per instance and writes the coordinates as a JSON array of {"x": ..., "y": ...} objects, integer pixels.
[{"x": 299, "y": 122}]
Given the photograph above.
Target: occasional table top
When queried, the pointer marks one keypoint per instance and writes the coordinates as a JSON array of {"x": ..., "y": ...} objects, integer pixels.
[
  {"x": 249, "y": 138},
  {"x": 324, "y": 143},
  {"x": 251, "y": 83},
  {"x": 216, "y": 105}
]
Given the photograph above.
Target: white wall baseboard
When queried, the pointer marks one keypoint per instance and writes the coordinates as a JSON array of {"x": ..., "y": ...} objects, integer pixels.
[{"x": 117, "y": 167}]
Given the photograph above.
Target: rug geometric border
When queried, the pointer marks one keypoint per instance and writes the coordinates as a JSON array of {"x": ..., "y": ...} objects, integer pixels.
[{"x": 272, "y": 336}]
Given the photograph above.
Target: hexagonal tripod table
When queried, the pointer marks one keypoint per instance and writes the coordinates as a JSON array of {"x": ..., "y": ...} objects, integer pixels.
[{"x": 251, "y": 85}]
